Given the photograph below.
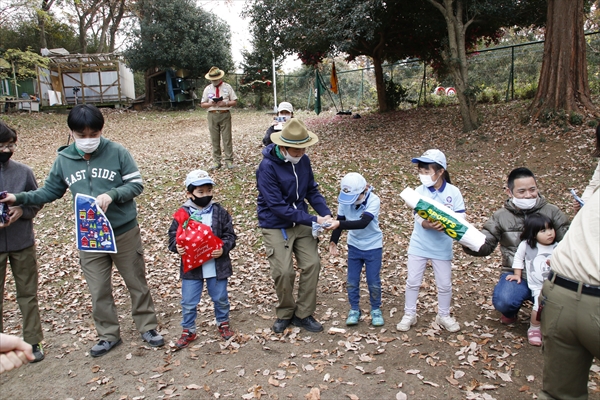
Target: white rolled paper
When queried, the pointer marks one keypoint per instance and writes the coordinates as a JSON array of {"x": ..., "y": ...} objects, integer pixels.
[{"x": 455, "y": 226}]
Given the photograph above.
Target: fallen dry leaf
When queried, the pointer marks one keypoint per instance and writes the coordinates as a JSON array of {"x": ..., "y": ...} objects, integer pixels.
[
  {"x": 314, "y": 394},
  {"x": 193, "y": 386}
]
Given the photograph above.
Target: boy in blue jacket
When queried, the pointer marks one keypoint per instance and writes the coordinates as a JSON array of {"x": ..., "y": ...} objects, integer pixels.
[
  {"x": 285, "y": 183},
  {"x": 103, "y": 169}
]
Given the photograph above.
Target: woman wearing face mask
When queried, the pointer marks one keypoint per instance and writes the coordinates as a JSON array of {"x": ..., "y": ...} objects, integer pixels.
[
  {"x": 429, "y": 242},
  {"x": 285, "y": 111},
  {"x": 285, "y": 183}
]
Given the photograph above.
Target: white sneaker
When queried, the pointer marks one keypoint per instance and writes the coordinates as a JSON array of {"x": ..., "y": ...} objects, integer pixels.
[
  {"x": 408, "y": 320},
  {"x": 448, "y": 323}
]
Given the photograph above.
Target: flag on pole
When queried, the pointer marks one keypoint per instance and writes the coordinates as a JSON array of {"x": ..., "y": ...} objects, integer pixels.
[{"x": 333, "y": 80}]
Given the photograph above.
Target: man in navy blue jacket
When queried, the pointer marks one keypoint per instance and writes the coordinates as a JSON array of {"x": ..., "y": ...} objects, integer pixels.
[{"x": 285, "y": 180}]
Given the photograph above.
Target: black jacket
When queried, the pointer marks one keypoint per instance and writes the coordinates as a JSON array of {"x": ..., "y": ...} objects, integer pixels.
[{"x": 222, "y": 227}]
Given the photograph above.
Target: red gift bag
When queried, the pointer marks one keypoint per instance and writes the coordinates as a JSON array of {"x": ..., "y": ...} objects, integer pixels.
[{"x": 197, "y": 238}]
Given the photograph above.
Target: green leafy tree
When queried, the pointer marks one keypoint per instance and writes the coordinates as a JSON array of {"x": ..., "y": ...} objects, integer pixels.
[
  {"x": 439, "y": 31},
  {"x": 466, "y": 22},
  {"x": 23, "y": 64},
  {"x": 257, "y": 67},
  {"x": 24, "y": 33},
  {"x": 179, "y": 34}
]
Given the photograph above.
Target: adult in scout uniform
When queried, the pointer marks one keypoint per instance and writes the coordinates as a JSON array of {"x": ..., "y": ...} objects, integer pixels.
[
  {"x": 218, "y": 98},
  {"x": 571, "y": 307}
]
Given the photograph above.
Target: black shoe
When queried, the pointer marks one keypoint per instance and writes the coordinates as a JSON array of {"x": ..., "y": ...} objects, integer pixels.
[
  {"x": 308, "y": 323},
  {"x": 280, "y": 325},
  {"x": 38, "y": 352}
]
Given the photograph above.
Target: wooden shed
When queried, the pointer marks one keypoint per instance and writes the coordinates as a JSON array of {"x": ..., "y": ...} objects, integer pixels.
[{"x": 101, "y": 79}]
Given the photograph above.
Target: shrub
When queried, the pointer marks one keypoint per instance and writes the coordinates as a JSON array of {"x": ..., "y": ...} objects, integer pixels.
[
  {"x": 489, "y": 95},
  {"x": 575, "y": 118},
  {"x": 394, "y": 93},
  {"x": 525, "y": 91}
]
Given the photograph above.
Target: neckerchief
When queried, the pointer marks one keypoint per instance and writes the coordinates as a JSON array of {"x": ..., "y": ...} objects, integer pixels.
[{"x": 217, "y": 89}]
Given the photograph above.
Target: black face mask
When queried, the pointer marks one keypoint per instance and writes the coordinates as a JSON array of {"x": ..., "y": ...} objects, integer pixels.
[
  {"x": 202, "y": 201},
  {"x": 4, "y": 156}
]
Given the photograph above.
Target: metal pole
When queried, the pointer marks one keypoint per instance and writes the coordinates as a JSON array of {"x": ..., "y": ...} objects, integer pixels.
[
  {"x": 362, "y": 79},
  {"x": 512, "y": 74},
  {"x": 422, "y": 85},
  {"x": 274, "y": 86},
  {"x": 511, "y": 78}
]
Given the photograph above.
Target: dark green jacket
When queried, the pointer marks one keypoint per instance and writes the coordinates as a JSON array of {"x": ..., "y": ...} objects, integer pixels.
[{"x": 111, "y": 170}]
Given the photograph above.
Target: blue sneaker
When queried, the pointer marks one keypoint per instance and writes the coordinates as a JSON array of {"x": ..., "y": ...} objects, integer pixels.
[
  {"x": 353, "y": 317},
  {"x": 376, "y": 317}
]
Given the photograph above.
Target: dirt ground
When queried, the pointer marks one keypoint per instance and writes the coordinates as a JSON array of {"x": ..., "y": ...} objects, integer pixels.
[{"x": 485, "y": 360}]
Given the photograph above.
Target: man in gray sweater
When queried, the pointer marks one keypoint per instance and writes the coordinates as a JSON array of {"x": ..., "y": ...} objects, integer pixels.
[{"x": 17, "y": 242}]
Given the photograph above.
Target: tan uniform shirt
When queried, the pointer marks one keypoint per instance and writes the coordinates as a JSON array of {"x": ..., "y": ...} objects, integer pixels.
[
  {"x": 577, "y": 256},
  {"x": 225, "y": 90}
]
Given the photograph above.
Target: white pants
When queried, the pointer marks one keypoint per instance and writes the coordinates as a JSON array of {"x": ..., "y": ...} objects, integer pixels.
[{"x": 442, "y": 270}]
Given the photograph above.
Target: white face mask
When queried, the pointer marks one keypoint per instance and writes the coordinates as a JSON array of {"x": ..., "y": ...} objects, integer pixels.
[
  {"x": 427, "y": 181},
  {"x": 87, "y": 145},
  {"x": 293, "y": 160},
  {"x": 524, "y": 204}
]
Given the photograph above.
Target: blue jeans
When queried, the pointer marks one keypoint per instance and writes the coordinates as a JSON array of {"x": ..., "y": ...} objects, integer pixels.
[
  {"x": 509, "y": 296},
  {"x": 371, "y": 259},
  {"x": 191, "y": 290}
]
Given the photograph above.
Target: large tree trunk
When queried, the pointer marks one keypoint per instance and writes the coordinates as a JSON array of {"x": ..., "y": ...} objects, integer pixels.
[
  {"x": 42, "y": 15},
  {"x": 563, "y": 83},
  {"x": 455, "y": 57},
  {"x": 379, "y": 84},
  {"x": 117, "y": 17}
]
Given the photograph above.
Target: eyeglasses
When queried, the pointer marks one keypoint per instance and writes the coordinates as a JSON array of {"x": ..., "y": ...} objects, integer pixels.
[{"x": 10, "y": 146}]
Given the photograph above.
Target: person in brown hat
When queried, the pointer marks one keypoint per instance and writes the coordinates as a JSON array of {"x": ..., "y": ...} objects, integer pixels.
[
  {"x": 218, "y": 98},
  {"x": 285, "y": 184}
]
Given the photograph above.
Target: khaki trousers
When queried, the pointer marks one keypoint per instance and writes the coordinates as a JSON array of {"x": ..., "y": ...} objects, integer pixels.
[
  {"x": 129, "y": 260},
  {"x": 571, "y": 337},
  {"x": 219, "y": 126},
  {"x": 279, "y": 253},
  {"x": 23, "y": 264}
]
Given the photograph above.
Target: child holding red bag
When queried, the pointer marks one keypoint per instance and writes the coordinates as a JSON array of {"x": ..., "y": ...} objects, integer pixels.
[{"x": 215, "y": 271}]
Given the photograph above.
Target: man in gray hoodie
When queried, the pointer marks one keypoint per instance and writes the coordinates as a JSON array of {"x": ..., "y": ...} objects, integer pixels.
[{"x": 17, "y": 242}]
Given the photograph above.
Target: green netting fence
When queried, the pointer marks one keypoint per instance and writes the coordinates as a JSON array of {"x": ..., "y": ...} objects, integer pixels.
[{"x": 496, "y": 74}]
